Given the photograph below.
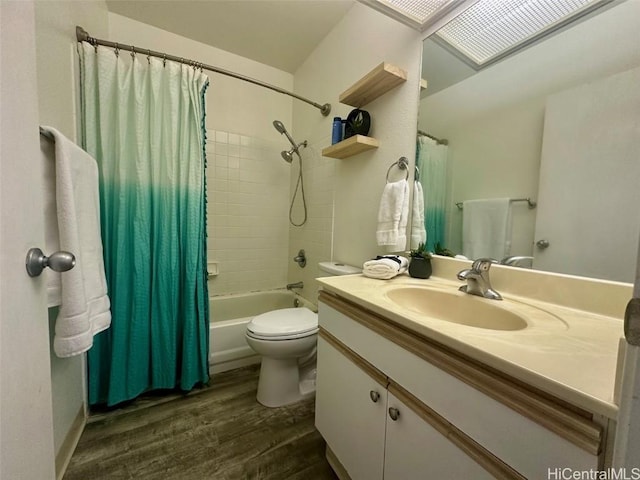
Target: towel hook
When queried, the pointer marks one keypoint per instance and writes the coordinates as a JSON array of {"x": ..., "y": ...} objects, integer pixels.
[{"x": 402, "y": 164}]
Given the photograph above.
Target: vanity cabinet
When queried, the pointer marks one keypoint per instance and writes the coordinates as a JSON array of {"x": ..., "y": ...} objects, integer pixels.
[
  {"x": 372, "y": 432},
  {"x": 457, "y": 418}
]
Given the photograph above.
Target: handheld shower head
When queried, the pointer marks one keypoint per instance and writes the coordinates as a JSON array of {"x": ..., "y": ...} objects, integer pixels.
[{"x": 279, "y": 126}]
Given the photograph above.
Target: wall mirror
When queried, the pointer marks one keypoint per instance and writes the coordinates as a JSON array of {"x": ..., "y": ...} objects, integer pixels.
[{"x": 557, "y": 122}]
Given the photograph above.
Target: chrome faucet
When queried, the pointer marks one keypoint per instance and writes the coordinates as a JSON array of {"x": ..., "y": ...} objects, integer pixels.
[
  {"x": 517, "y": 261},
  {"x": 291, "y": 286},
  {"x": 477, "y": 278}
]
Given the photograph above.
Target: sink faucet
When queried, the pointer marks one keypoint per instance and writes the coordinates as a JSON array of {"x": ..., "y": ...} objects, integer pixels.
[
  {"x": 517, "y": 261},
  {"x": 477, "y": 278}
]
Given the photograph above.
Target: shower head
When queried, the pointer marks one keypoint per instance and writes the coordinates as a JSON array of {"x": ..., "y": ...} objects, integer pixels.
[
  {"x": 287, "y": 155},
  {"x": 278, "y": 125}
]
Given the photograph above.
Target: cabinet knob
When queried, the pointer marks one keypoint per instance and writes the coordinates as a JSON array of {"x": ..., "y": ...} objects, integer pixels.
[
  {"x": 394, "y": 413},
  {"x": 375, "y": 396}
]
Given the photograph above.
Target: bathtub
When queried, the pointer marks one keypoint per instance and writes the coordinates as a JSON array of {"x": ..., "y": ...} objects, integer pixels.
[{"x": 229, "y": 315}]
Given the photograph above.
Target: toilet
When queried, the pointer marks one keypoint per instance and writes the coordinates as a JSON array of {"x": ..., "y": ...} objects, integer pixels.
[{"x": 286, "y": 339}]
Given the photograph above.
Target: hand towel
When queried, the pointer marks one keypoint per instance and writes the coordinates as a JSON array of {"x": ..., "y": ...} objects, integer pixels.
[
  {"x": 418, "y": 232},
  {"x": 486, "y": 228},
  {"x": 385, "y": 267},
  {"x": 85, "y": 309},
  {"x": 393, "y": 214}
]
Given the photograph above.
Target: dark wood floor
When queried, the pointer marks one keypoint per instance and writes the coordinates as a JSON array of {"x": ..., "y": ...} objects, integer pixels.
[{"x": 220, "y": 432}]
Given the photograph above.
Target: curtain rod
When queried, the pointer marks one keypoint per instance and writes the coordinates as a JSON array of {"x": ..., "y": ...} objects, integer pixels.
[
  {"x": 83, "y": 36},
  {"x": 442, "y": 141}
]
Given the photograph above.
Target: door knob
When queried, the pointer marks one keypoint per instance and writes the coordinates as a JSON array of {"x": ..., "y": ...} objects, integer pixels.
[
  {"x": 542, "y": 244},
  {"x": 58, "y": 261},
  {"x": 375, "y": 396}
]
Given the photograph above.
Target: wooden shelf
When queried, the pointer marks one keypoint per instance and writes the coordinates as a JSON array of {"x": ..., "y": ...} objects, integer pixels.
[
  {"x": 375, "y": 83},
  {"x": 351, "y": 146}
]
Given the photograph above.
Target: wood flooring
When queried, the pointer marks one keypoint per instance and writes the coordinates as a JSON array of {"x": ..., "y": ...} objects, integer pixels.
[{"x": 219, "y": 432}]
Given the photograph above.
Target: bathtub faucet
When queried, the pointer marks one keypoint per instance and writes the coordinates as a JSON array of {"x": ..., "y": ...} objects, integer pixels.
[{"x": 291, "y": 286}]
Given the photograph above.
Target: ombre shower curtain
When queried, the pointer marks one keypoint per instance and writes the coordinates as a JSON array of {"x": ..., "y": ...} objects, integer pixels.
[
  {"x": 432, "y": 162},
  {"x": 143, "y": 121}
]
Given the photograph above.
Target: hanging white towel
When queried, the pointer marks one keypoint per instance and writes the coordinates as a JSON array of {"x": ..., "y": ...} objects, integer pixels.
[
  {"x": 486, "y": 228},
  {"x": 85, "y": 309},
  {"x": 393, "y": 215},
  {"x": 385, "y": 267},
  {"x": 418, "y": 232}
]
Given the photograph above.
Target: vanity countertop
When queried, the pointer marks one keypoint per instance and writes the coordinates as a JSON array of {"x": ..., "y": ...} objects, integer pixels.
[{"x": 573, "y": 358}]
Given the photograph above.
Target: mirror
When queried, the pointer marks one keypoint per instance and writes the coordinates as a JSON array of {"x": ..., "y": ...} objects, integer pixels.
[{"x": 557, "y": 122}]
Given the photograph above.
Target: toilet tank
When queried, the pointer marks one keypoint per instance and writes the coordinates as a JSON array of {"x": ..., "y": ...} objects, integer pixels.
[{"x": 331, "y": 269}]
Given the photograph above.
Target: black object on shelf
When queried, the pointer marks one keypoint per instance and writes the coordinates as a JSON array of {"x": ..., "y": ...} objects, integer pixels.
[{"x": 358, "y": 123}]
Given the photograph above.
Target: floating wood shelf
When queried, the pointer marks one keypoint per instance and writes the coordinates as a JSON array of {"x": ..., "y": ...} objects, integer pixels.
[
  {"x": 350, "y": 146},
  {"x": 375, "y": 83}
]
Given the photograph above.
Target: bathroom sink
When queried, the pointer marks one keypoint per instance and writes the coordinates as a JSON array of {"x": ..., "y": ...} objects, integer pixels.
[{"x": 457, "y": 307}]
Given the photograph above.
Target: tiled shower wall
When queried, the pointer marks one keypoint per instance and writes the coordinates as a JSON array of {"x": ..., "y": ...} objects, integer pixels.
[{"x": 247, "y": 216}]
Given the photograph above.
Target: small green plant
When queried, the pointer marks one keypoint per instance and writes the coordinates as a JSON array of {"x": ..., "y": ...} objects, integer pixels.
[
  {"x": 420, "y": 252},
  {"x": 440, "y": 250}
]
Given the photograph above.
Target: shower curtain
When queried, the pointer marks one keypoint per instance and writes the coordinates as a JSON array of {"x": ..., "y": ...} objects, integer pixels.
[
  {"x": 143, "y": 121},
  {"x": 432, "y": 162}
]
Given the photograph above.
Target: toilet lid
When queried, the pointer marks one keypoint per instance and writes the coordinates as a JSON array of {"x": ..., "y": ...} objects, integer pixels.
[{"x": 284, "y": 322}]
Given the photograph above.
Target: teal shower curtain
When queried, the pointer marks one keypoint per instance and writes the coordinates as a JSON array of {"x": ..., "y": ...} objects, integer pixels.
[
  {"x": 432, "y": 163},
  {"x": 143, "y": 121}
]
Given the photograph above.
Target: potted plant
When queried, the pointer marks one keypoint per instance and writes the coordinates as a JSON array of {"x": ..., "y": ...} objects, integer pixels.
[{"x": 420, "y": 264}]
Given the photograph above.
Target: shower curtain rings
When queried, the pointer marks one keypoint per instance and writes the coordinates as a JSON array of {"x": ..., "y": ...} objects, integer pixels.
[
  {"x": 149, "y": 57},
  {"x": 164, "y": 60},
  {"x": 117, "y": 50},
  {"x": 133, "y": 52}
]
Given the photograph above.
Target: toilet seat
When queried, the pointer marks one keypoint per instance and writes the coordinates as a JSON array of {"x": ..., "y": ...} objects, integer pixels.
[{"x": 283, "y": 324}]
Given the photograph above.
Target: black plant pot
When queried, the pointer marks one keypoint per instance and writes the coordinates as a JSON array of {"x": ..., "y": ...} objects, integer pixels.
[{"x": 420, "y": 267}]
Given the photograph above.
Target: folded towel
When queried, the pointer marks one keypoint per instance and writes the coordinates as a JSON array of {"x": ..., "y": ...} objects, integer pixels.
[
  {"x": 85, "y": 309},
  {"x": 486, "y": 228},
  {"x": 393, "y": 214},
  {"x": 385, "y": 267},
  {"x": 418, "y": 232}
]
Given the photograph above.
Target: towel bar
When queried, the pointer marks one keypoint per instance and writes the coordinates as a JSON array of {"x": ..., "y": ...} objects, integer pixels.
[{"x": 532, "y": 203}]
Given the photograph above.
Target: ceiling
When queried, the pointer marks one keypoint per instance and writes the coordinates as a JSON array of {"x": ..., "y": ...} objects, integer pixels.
[{"x": 280, "y": 33}]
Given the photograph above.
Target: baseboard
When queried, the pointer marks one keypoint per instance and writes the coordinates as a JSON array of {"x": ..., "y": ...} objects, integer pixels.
[
  {"x": 70, "y": 443},
  {"x": 233, "y": 364}
]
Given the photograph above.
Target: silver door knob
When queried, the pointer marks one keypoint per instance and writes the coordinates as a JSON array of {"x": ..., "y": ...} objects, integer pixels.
[
  {"x": 542, "y": 244},
  {"x": 394, "y": 413},
  {"x": 58, "y": 261},
  {"x": 375, "y": 396}
]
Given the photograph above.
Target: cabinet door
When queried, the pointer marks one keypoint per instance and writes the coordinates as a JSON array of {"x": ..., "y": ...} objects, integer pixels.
[
  {"x": 415, "y": 449},
  {"x": 352, "y": 424}
]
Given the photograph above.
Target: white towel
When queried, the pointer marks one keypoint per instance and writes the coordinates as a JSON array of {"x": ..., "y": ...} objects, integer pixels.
[
  {"x": 85, "y": 309},
  {"x": 393, "y": 215},
  {"x": 385, "y": 267},
  {"x": 486, "y": 228},
  {"x": 418, "y": 232}
]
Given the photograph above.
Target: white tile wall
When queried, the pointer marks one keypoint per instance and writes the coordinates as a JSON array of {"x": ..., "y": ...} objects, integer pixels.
[{"x": 248, "y": 208}]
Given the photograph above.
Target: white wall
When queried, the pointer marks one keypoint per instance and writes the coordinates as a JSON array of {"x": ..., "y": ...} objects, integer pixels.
[
  {"x": 362, "y": 40},
  {"x": 247, "y": 180},
  {"x": 494, "y": 120},
  {"x": 57, "y": 104}
]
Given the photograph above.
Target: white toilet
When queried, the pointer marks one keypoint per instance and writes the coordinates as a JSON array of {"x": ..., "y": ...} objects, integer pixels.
[{"x": 286, "y": 339}]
